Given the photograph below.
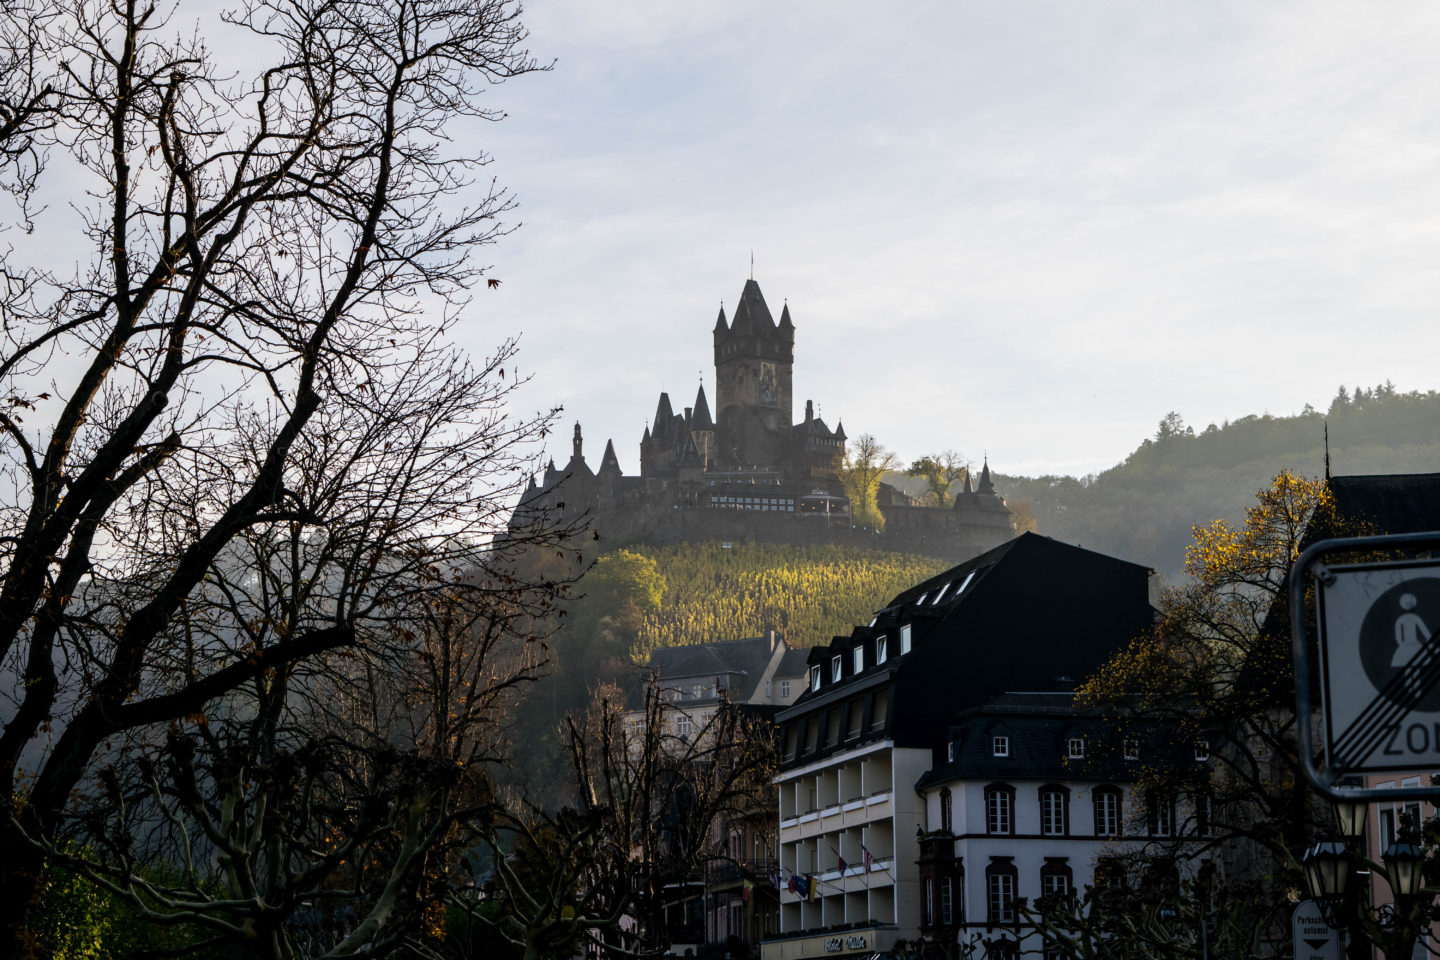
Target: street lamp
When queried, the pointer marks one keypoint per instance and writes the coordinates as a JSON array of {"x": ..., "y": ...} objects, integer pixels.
[
  {"x": 1350, "y": 815},
  {"x": 1327, "y": 870},
  {"x": 1403, "y": 861}
]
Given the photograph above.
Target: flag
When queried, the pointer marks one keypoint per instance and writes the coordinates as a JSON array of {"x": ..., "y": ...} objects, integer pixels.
[
  {"x": 842, "y": 862},
  {"x": 800, "y": 885},
  {"x": 775, "y": 876},
  {"x": 792, "y": 886},
  {"x": 745, "y": 889},
  {"x": 814, "y": 886},
  {"x": 869, "y": 860}
]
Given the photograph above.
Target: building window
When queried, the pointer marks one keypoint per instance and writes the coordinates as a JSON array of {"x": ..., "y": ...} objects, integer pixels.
[
  {"x": 880, "y": 649},
  {"x": 1075, "y": 748},
  {"x": 947, "y": 902},
  {"x": 814, "y": 678},
  {"x": 837, "y": 669},
  {"x": 1056, "y": 878},
  {"x": 1000, "y": 888},
  {"x": 946, "y": 809},
  {"x": 769, "y": 689},
  {"x": 1054, "y": 811},
  {"x": 1202, "y": 750},
  {"x": 857, "y": 715},
  {"x": 1162, "y": 815},
  {"x": 941, "y": 595},
  {"x": 951, "y": 749},
  {"x": 880, "y": 711},
  {"x": 1107, "y": 812},
  {"x": 792, "y": 740},
  {"x": 999, "y": 806},
  {"x": 1000, "y": 746},
  {"x": 684, "y": 726},
  {"x": 859, "y": 655},
  {"x": 1132, "y": 749},
  {"x": 904, "y": 639},
  {"x": 784, "y": 689},
  {"x": 929, "y": 901}
]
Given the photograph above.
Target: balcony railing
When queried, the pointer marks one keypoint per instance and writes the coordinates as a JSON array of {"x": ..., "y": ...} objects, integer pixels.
[{"x": 721, "y": 871}]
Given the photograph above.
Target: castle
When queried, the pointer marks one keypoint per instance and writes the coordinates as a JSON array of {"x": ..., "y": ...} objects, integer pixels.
[{"x": 750, "y": 472}]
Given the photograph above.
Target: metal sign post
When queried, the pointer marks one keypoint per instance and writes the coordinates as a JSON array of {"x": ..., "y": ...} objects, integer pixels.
[{"x": 1379, "y": 651}]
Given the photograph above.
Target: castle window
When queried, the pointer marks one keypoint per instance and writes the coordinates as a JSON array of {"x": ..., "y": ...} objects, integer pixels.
[{"x": 904, "y": 639}]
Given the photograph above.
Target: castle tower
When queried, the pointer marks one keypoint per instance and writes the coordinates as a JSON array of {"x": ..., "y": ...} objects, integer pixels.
[
  {"x": 702, "y": 427},
  {"x": 753, "y": 367}
]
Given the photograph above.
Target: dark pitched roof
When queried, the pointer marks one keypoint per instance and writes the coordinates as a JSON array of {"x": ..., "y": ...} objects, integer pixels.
[
  {"x": 690, "y": 457},
  {"x": 720, "y": 325},
  {"x": 752, "y": 316},
  {"x": 746, "y": 657},
  {"x": 700, "y": 418},
  {"x": 1389, "y": 503},
  {"x": 785, "y": 323},
  {"x": 985, "y": 487},
  {"x": 663, "y": 415},
  {"x": 609, "y": 463}
]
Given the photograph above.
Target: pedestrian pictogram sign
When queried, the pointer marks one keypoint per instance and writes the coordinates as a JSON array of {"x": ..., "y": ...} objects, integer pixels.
[{"x": 1380, "y": 662}]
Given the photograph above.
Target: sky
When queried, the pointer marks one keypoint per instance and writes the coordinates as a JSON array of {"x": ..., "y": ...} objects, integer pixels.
[{"x": 1026, "y": 230}]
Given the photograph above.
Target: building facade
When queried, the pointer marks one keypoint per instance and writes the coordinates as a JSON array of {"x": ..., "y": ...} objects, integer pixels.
[{"x": 859, "y": 745}]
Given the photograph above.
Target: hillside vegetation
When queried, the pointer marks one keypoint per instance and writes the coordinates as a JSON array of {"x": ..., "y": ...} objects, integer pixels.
[
  {"x": 1143, "y": 509},
  {"x": 807, "y": 593}
]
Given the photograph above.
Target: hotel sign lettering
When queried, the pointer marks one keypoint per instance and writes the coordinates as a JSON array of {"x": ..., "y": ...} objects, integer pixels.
[{"x": 837, "y": 944}]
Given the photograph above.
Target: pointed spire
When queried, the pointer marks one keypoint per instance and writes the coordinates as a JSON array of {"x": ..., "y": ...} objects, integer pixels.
[
  {"x": 840, "y": 429},
  {"x": 720, "y": 325},
  {"x": 985, "y": 485},
  {"x": 577, "y": 442},
  {"x": 701, "y": 419},
  {"x": 646, "y": 438},
  {"x": 756, "y": 315},
  {"x": 785, "y": 323},
  {"x": 663, "y": 415},
  {"x": 609, "y": 463}
]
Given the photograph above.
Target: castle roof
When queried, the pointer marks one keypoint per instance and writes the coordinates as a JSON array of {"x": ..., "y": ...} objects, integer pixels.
[
  {"x": 752, "y": 316},
  {"x": 663, "y": 414},
  {"x": 691, "y": 456},
  {"x": 609, "y": 463},
  {"x": 985, "y": 485},
  {"x": 720, "y": 325},
  {"x": 785, "y": 323},
  {"x": 700, "y": 418}
]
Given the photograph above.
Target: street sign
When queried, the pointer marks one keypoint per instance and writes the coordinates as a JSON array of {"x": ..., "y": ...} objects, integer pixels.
[
  {"x": 1314, "y": 938},
  {"x": 1380, "y": 663}
]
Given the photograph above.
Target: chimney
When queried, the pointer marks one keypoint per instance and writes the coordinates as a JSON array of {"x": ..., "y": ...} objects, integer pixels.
[
  {"x": 771, "y": 635},
  {"x": 809, "y": 410}
]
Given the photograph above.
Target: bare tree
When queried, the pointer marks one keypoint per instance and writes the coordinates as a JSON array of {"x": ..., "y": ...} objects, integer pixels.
[
  {"x": 239, "y": 451},
  {"x": 651, "y": 792},
  {"x": 865, "y": 465}
]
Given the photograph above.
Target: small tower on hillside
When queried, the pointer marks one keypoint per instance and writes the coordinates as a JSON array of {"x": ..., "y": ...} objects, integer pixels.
[{"x": 754, "y": 358}]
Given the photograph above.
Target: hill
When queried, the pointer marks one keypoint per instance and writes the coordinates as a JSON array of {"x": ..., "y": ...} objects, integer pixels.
[
  {"x": 1143, "y": 508},
  {"x": 807, "y": 593}
]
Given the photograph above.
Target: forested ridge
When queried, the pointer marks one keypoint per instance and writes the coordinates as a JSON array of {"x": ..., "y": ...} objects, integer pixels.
[{"x": 1143, "y": 508}]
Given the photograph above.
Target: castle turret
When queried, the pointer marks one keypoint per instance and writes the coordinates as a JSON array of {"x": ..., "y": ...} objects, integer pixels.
[
  {"x": 753, "y": 376},
  {"x": 985, "y": 487},
  {"x": 702, "y": 427}
]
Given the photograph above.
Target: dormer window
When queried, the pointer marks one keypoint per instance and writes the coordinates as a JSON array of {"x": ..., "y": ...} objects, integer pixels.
[
  {"x": 814, "y": 678},
  {"x": 880, "y": 646},
  {"x": 1202, "y": 750},
  {"x": 837, "y": 669},
  {"x": 941, "y": 595},
  {"x": 921, "y": 601},
  {"x": 965, "y": 583},
  {"x": 904, "y": 639},
  {"x": 1075, "y": 748},
  {"x": 859, "y": 659},
  {"x": 1132, "y": 749},
  {"x": 1000, "y": 746},
  {"x": 951, "y": 750}
]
